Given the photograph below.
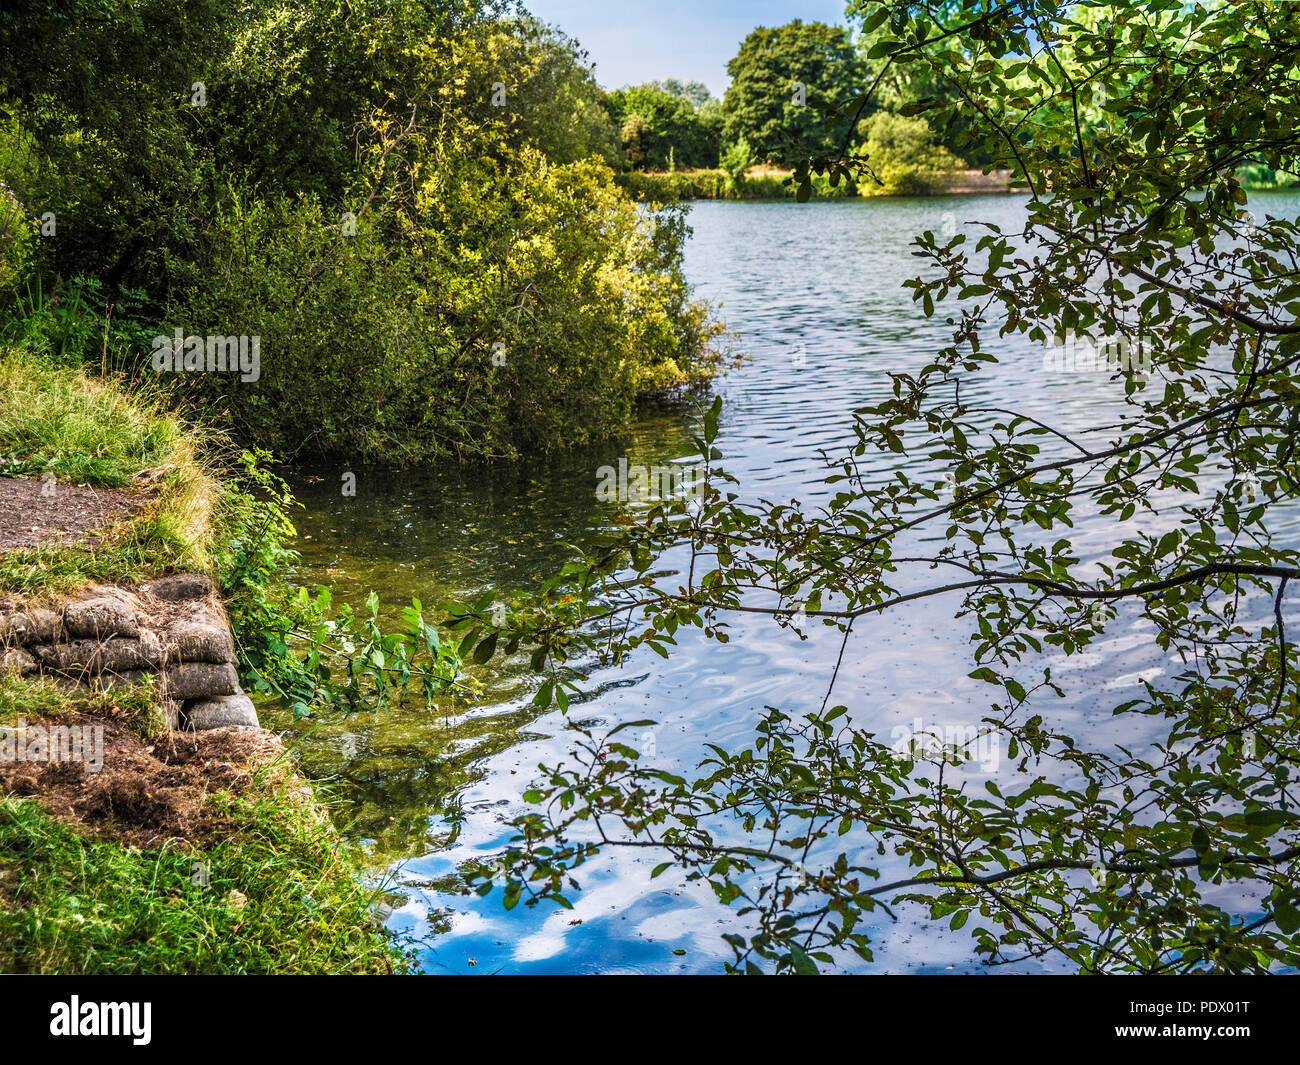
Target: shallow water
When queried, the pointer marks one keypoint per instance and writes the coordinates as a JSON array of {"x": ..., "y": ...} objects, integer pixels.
[{"x": 814, "y": 292}]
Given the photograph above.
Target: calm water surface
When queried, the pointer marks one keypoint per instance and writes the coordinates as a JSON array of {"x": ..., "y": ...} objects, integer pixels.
[{"x": 814, "y": 293}]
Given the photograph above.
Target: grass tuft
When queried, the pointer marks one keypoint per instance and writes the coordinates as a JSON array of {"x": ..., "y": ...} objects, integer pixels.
[
  {"x": 280, "y": 897},
  {"x": 95, "y": 432}
]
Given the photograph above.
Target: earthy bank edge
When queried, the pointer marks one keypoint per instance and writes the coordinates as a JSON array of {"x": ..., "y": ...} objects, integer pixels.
[
  {"x": 147, "y": 823},
  {"x": 193, "y": 846},
  {"x": 188, "y": 842}
]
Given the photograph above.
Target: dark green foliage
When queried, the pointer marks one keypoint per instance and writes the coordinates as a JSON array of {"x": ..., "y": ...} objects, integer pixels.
[
  {"x": 673, "y": 129},
  {"x": 719, "y": 185},
  {"x": 101, "y": 91},
  {"x": 411, "y": 206},
  {"x": 763, "y": 103}
]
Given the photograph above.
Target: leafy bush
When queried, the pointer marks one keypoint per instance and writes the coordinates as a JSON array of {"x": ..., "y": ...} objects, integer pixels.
[
  {"x": 669, "y": 125},
  {"x": 904, "y": 157},
  {"x": 313, "y": 656},
  {"x": 80, "y": 322},
  {"x": 501, "y": 292},
  {"x": 527, "y": 307}
]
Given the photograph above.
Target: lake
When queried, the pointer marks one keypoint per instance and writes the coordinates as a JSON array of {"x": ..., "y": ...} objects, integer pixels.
[{"x": 813, "y": 293}]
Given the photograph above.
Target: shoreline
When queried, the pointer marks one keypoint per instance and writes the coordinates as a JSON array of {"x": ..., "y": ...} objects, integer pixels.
[
  {"x": 770, "y": 183},
  {"x": 148, "y": 824}
]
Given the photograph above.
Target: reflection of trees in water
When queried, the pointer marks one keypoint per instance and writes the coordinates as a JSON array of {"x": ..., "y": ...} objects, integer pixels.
[
  {"x": 449, "y": 531},
  {"x": 390, "y": 791},
  {"x": 436, "y": 534}
]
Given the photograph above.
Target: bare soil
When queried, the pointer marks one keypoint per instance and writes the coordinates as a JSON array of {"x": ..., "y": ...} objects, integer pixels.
[
  {"x": 146, "y": 793},
  {"x": 32, "y": 515}
]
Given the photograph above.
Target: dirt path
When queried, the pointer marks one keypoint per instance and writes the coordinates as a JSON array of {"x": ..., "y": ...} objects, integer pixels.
[{"x": 34, "y": 512}]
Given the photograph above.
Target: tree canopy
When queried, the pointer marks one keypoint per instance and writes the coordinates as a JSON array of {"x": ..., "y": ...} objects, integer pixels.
[
  {"x": 413, "y": 206},
  {"x": 779, "y": 77},
  {"x": 673, "y": 126}
]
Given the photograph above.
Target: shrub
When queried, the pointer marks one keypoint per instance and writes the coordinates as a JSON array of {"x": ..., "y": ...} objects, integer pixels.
[{"x": 902, "y": 153}]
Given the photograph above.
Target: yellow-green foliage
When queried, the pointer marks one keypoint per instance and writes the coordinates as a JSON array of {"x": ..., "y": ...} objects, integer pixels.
[
  {"x": 472, "y": 152},
  {"x": 902, "y": 154},
  {"x": 490, "y": 300}
]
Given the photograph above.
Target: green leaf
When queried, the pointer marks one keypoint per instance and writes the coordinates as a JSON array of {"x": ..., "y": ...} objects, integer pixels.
[
  {"x": 803, "y": 965},
  {"x": 485, "y": 648}
]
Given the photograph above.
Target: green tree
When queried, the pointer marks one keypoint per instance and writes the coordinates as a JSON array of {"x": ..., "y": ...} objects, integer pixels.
[
  {"x": 101, "y": 93},
  {"x": 912, "y": 88},
  {"x": 736, "y": 160},
  {"x": 553, "y": 100},
  {"x": 632, "y": 136},
  {"x": 671, "y": 123},
  {"x": 1174, "y": 853},
  {"x": 696, "y": 93},
  {"x": 781, "y": 81},
  {"x": 412, "y": 208},
  {"x": 902, "y": 157}
]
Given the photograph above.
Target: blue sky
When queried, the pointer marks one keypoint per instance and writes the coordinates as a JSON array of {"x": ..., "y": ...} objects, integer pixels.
[{"x": 633, "y": 41}]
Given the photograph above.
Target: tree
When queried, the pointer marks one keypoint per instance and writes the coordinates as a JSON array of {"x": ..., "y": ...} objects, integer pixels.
[
  {"x": 696, "y": 93},
  {"x": 553, "y": 98},
  {"x": 1175, "y": 853},
  {"x": 412, "y": 206},
  {"x": 736, "y": 160},
  {"x": 671, "y": 123},
  {"x": 906, "y": 89},
  {"x": 103, "y": 150},
  {"x": 780, "y": 80},
  {"x": 632, "y": 136},
  {"x": 902, "y": 157}
]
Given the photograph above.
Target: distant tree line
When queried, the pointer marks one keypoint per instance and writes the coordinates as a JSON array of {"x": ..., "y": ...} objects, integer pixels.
[{"x": 789, "y": 99}]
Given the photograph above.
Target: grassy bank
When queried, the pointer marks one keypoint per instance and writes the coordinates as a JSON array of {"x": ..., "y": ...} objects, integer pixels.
[
  {"x": 185, "y": 854},
  {"x": 79, "y": 430}
]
